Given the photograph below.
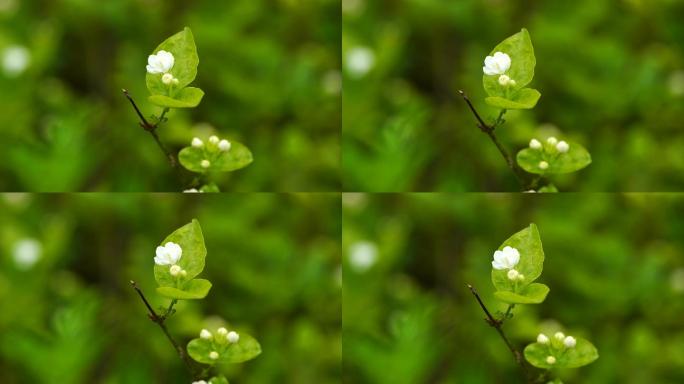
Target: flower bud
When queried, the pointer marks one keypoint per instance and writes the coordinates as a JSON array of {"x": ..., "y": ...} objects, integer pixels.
[
  {"x": 205, "y": 163},
  {"x": 224, "y": 145},
  {"x": 511, "y": 82},
  {"x": 512, "y": 274},
  {"x": 550, "y": 360},
  {"x": 552, "y": 140},
  {"x": 206, "y": 335},
  {"x": 543, "y": 165},
  {"x": 199, "y": 382},
  {"x": 233, "y": 337},
  {"x": 535, "y": 144},
  {"x": 213, "y": 139},
  {"x": 197, "y": 143},
  {"x": 504, "y": 80},
  {"x": 175, "y": 270},
  {"x": 562, "y": 146},
  {"x": 559, "y": 336},
  {"x": 183, "y": 273},
  {"x": 570, "y": 342},
  {"x": 191, "y": 190},
  {"x": 167, "y": 78},
  {"x": 222, "y": 331},
  {"x": 542, "y": 339},
  {"x": 521, "y": 277},
  {"x": 213, "y": 355},
  {"x": 175, "y": 81}
]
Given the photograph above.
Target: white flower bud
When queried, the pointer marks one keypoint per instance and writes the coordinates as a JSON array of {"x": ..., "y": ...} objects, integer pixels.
[
  {"x": 206, "y": 335},
  {"x": 552, "y": 140},
  {"x": 562, "y": 146},
  {"x": 512, "y": 274},
  {"x": 535, "y": 144},
  {"x": 191, "y": 190},
  {"x": 199, "y": 382},
  {"x": 213, "y": 355},
  {"x": 542, "y": 339},
  {"x": 222, "y": 331},
  {"x": 550, "y": 360},
  {"x": 224, "y": 145},
  {"x": 205, "y": 163},
  {"x": 543, "y": 165},
  {"x": 167, "y": 78},
  {"x": 213, "y": 139},
  {"x": 233, "y": 337},
  {"x": 570, "y": 342},
  {"x": 197, "y": 143},
  {"x": 504, "y": 80},
  {"x": 175, "y": 270},
  {"x": 559, "y": 336}
]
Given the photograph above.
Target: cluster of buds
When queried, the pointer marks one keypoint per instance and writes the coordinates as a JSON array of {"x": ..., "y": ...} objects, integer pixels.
[
  {"x": 559, "y": 343},
  {"x": 219, "y": 341},
  {"x": 177, "y": 271},
  {"x": 553, "y": 147},
  {"x": 213, "y": 146},
  {"x": 506, "y": 81},
  {"x": 514, "y": 275}
]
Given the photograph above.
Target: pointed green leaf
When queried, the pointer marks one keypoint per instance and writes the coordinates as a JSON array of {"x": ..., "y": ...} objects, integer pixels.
[
  {"x": 245, "y": 349},
  {"x": 525, "y": 98},
  {"x": 519, "y": 48},
  {"x": 529, "y": 245},
  {"x": 188, "y": 97},
  {"x": 189, "y": 238},
  {"x": 193, "y": 289},
  {"x": 534, "y": 293},
  {"x": 237, "y": 157},
  {"x": 582, "y": 353},
  {"x": 575, "y": 159},
  {"x": 182, "y": 47}
]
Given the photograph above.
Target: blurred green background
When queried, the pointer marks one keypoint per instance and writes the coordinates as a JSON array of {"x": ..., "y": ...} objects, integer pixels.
[
  {"x": 611, "y": 75},
  {"x": 270, "y": 70},
  {"x": 614, "y": 263},
  {"x": 69, "y": 314}
]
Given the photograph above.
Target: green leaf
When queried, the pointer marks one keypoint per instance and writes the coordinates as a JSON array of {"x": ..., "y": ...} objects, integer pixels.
[
  {"x": 528, "y": 243},
  {"x": 549, "y": 188},
  {"x": 534, "y": 293},
  {"x": 188, "y": 97},
  {"x": 218, "y": 380},
  {"x": 189, "y": 238},
  {"x": 182, "y": 47},
  {"x": 583, "y": 353},
  {"x": 210, "y": 188},
  {"x": 575, "y": 159},
  {"x": 525, "y": 98},
  {"x": 519, "y": 48},
  {"x": 245, "y": 349},
  {"x": 193, "y": 289},
  {"x": 237, "y": 157}
]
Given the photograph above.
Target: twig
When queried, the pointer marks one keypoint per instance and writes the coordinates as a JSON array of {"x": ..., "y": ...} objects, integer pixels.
[
  {"x": 497, "y": 325},
  {"x": 160, "y": 321}
]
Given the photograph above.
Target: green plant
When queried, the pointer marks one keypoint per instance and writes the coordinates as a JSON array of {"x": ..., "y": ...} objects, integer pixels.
[
  {"x": 517, "y": 263},
  {"x": 178, "y": 261},
  {"x": 171, "y": 67},
  {"x": 507, "y": 71}
]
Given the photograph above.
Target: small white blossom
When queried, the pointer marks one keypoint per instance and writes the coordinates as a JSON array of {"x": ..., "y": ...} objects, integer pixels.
[
  {"x": 512, "y": 274},
  {"x": 507, "y": 258},
  {"x": 550, "y": 360},
  {"x": 205, "y": 334},
  {"x": 213, "y": 139},
  {"x": 359, "y": 61},
  {"x": 162, "y": 62},
  {"x": 497, "y": 64},
  {"x": 542, "y": 339},
  {"x": 26, "y": 253},
  {"x": 191, "y": 190},
  {"x": 197, "y": 143},
  {"x": 169, "y": 254},
  {"x": 570, "y": 342},
  {"x": 562, "y": 146},
  {"x": 559, "y": 336},
  {"x": 199, "y": 382},
  {"x": 205, "y": 163},
  {"x": 224, "y": 145},
  {"x": 175, "y": 270},
  {"x": 213, "y": 355},
  {"x": 167, "y": 78},
  {"x": 15, "y": 60},
  {"x": 552, "y": 140},
  {"x": 222, "y": 331},
  {"x": 363, "y": 255},
  {"x": 233, "y": 337},
  {"x": 543, "y": 165},
  {"x": 535, "y": 144}
]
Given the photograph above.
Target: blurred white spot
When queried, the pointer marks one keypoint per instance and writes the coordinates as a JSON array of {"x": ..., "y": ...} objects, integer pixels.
[
  {"x": 15, "y": 59},
  {"x": 677, "y": 280},
  {"x": 359, "y": 61},
  {"x": 363, "y": 255},
  {"x": 676, "y": 83},
  {"x": 27, "y": 252},
  {"x": 354, "y": 199},
  {"x": 332, "y": 83}
]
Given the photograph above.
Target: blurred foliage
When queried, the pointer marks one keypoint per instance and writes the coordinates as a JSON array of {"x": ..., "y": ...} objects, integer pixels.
[
  {"x": 611, "y": 74},
  {"x": 270, "y": 70},
  {"x": 614, "y": 263},
  {"x": 70, "y": 315}
]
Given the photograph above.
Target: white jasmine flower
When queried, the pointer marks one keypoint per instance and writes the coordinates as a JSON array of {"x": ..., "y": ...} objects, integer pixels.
[
  {"x": 205, "y": 334},
  {"x": 199, "y": 382},
  {"x": 570, "y": 342},
  {"x": 535, "y": 144},
  {"x": 559, "y": 336},
  {"x": 550, "y": 360},
  {"x": 205, "y": 164},
  {"x": 543, "y": 165},
  {"x": 530, "y": 191},
  {"x": 363, "y": 255},
  {"x": 197, "y": 143},
  {"x": 169, "y": 254},
  {"x": 359, "y": 61},
  {"x": 213, "y": 355},
  {"x": 175, "y": 270},
  {"x": 15, "y": 60},
  {"x": 497, "y": 64},
  {"x": 222, "y": 331},
  {"x": 167, "y": 78},
  {"x": 26, "y": 253},
  {"x": 213, "y": 139},
  {"x": 512, "y": 274},
  {"x": 233, "y": 337},
  {"x": 562, "y": 146},
  {"x": 508, "y": 258},
  {"x": 224, "y": 145},
  {"x": 542, "y": 339},
  {"x": 162, "y": 62},
  {"x": 504, "y": 80},
  {"x": 191, "y": 190},
  {"x": 552, "y": 140}
]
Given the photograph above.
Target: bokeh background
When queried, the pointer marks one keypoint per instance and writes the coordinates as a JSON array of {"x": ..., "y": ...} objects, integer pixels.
[
  {"x": 611, "y": 75},
  {"x": 69, "y": 314},
  {"x": 614, "y": 263},
  {"x": 270, "y": 70}
]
